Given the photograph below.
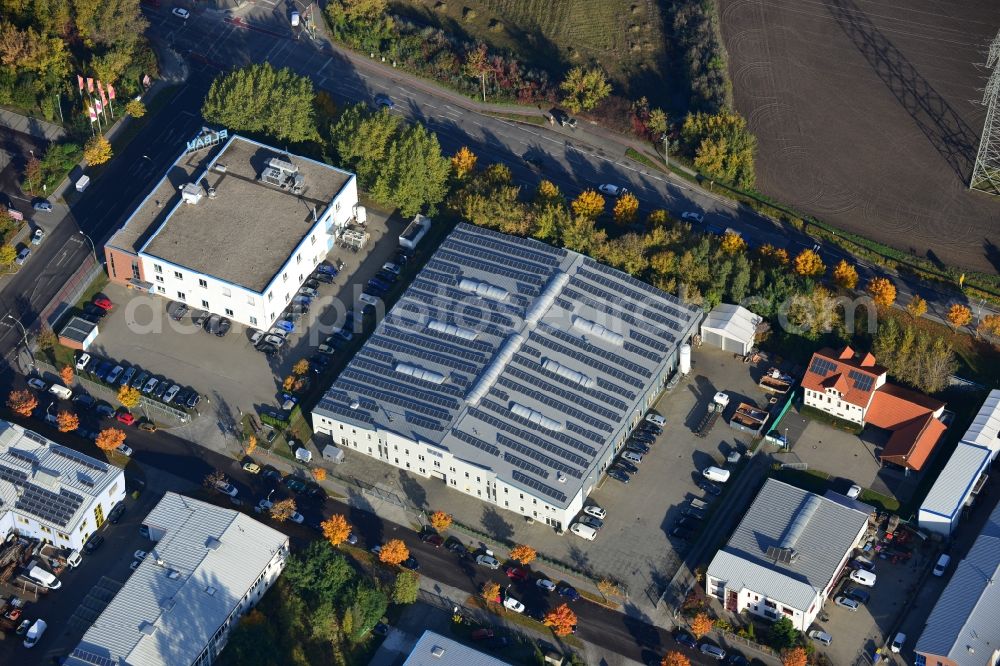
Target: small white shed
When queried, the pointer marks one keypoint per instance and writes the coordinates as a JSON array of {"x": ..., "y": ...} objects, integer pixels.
[{"x": 731, "y": 328}]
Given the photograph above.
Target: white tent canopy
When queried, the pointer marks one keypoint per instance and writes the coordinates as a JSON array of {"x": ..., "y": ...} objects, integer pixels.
[{"x": 730, "y": 328}]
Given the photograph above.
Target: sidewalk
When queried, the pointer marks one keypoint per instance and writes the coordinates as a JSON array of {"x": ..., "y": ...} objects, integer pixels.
[{"x": 37, "y": 127}]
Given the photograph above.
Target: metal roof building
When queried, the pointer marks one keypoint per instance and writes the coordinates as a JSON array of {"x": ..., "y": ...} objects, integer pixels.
[
  {"x": 964, "y": 475},
  {"x": 209, "y": 565},
  {"x": 786, "y": 554},
  {"x": 433, "y": 649},
  {"x": 964, "y": 627},
  {"x": 731, "y": 328},
  {"x": 510, "y": 369},
  {"x": 49, "y": 491}
]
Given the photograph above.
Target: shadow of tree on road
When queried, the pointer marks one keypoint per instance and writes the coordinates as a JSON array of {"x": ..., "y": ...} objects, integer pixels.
[{"x": 496, "y": 525}]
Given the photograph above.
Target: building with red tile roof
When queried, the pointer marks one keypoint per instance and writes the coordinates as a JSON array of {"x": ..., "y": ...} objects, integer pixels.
[{"x": 854, "y": 388}]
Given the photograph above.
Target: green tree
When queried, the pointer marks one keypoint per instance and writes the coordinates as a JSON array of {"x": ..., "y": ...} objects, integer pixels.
[
  {"x": 584, "y": 88},
  {"x": 320, "y": 572},
  {"x": 549, "y": 220},
  {"x": 109, "y": 22},
  {"x": 362, "y": 138},
  {"x": 657, "y": 123},
  {"x": 7, "y": 255},
  {"x": 406, "y": 587},
  {"x": 722, "y": 146},
  {"x": 98, "y": 150},
  {"x": 259, "y": 98},
  {"x": 783, "y": 634},
  {"x": 414, "y": 173},
  {"x": 368, "y": 605},
  {"x": 135, "y": 108}
]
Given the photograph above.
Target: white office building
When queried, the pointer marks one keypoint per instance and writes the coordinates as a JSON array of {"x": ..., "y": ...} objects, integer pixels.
[
  {"x": 235, "y": 229},
  {"x": 51, "y": 492},
  {"x": 787, "y": 553},
  {"x": 207, "y": 568},
  {"x": 511, "y": 370}
]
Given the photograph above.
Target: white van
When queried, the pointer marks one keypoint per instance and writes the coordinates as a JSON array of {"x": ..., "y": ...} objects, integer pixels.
[
  {"x": 716, "y": 474},
  {"x": 942, "y": 565},
  {"x": 36, "y": 631},
  {"x": 583, "y": 531},
  {"x": 44, "y": 578},
  {"x": 821, "y": 636},
  {"x": 295, "y": 19},
  {"x": 866, "y": 578},
  {"x": 83, "y": 183},
  {"x": 60, "y": 391}
]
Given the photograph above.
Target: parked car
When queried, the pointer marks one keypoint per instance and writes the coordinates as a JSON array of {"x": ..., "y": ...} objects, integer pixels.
[
  {"x": 627, "y": 466},
  {"x": 567, "y": 591},
  {"x": 176, "y": 310},
  {"x": 127, "y": 376},
  {"x": 861, "y": 596},
  {"x": 693, "y": 513},
  {"x": 126, "y": 418},
  {"x": 682, "y": 534},
  {"x": 848, "y": 603},
  {"x": 656, "y": 419},
  {"x": 487, "y": 560},
  {"x": 42, "y": 206},
  {"x": 710, "y": 488},
  {"x": 513, "y": 604},
  {"x": 515, "y": 573},
  {"x": 591, "y": 521},
  {"x": 325, "y": 278},
  {"x": 115, "y": 373},
  {"x": 941, "y": 565},
  {"x": 22, "y": 256},
  {"x": 618, "y": 475},
  {"x": 595, "y": 511},
  {"x": 116, "y": 513},
  {"x": 93, "y": 543},
  {"x": 433, "y": 538},
  {"x": 150, "y": 385},
  {"x": 545, "y": 584},
  {"x": 171, "y": 393},
  {"x": 36, "y": 383},
  {"x": 638, "y": 447},
  {"x": 384, "y": 101},
  {"x": 612, "y": 190},
  {"x": 125, "y": 450},
  {"x": 212, "y": 324},
  {"x": 180, "y": 12},
  {"x": 84, "y": 400},
  {"x": 686, "y": 639},
  {"x": 898, "y": 642},
  {"x": 692, "y": 216},
  {"x": 410, "y": 563},
  {"x": 103, "y": 302},
  {"x": 161, "y": 388},
  {"x": 227, "y": 488},
  {"x": 821, "y": 637},
  {"x": 193, "y": 399},
  {"x": 251, "y": 468},
  {"x": 712, "y": 651},
  {"x": 147, "y": 426},
  {"x": 104, "y": 410},
  {"x": 140, "y": 380},
  {"x": 583, "y": 531}
]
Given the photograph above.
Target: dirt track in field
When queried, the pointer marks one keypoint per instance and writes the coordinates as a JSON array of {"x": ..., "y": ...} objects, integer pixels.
[{"x": 867, "y": 118}]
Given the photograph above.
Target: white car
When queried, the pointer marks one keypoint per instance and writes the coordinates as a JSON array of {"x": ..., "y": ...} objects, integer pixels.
[
  {"x": 583, "y": 531},
  {"x": 37, "y": 237},
  {"x": 140, "y": 555},
  {"x": 125, "y": 450},
  {"x": 612, "y": 190},
  {"x": 821, "y": 636},
  {"x": 181, "y": 13},
  {"x": 488, "y": 561},
  {"x": 171, "y": 393},
  {"x": 656, "y": 420},
  {"x": 862, "y": 577},
  {"x": 848, "y": 603},
  {"x": 854, "y": 491},
  {"x": 692, "y": 216},
  {"x": 37, "y": 383},
  {"x": 546, "y": 584},
  {"x": 595, "y": 511},
  {"x": 368, "y": 299},
  {"x": 898, "y": 642},
  {"x": 513, "y": 604},
  {"x": 81, "y": 363},
  {"x": 227, "y": 488},
  {"x": 942, "y": 565}
]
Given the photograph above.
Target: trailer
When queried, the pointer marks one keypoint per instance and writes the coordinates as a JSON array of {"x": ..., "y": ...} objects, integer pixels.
[
  {"x": 715, "y": 409},
  {"x": 697, "y": 503},
  {"x": 775, "y": 381}
]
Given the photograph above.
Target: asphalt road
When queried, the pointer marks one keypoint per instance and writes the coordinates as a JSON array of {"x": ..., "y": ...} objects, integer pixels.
[{"x": 187, "y": 460}]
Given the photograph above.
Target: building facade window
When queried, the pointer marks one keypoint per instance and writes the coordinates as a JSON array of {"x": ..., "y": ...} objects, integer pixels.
[
  {"x": 229, "y": 313},
  {"x": 157, "y": 268},
  {"x": 203, "y": 283},
  {"x": 161, "y": 290},
  {"x": 178, "y": 275},
  {"x": 253, "y": 321},
  {"x": 204, "y": 304},
  {"x": 159, "y": 278},
  {"x": 181, "y": 295}
]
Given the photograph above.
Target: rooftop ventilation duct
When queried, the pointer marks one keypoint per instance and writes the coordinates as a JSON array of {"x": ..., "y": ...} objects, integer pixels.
[
  {"x": 568, "y": 373},
  {"x": 601, "y": 332},
  {"x": 483, "y": 289},
  {"x": 546, "y": 298},
  {"x": 451, "y": 329},
  {"x": 420, "y": 373},
  {"x": 496, "y": 366},
  {"x": 535, "y": 417},
  {"x": 282, "y": 165},
  {"x": 212, "y": 543},
  {"x": 437, "y": 651}
]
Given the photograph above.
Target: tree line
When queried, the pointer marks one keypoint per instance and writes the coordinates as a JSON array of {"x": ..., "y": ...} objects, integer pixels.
[{"x": 43, "y": 43}]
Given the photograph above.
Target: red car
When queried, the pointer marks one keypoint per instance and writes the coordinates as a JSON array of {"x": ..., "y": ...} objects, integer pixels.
[
  {"x": 482, "y": 634},
  {"x": 433, "y": 539},
  {"x": 516, "y": 574},
  {"x": 103, "y": 302},
  {"x": 125, "y": 417}
]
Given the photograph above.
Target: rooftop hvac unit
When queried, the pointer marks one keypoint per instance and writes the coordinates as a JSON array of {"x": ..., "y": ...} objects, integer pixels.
[
  {"x": 298, "y": 183},
  {"x": 221, "y": 168},
  {"x": 282, "y": 165},
  {"x": 192, "y": 193},
  {"x": 211, "y": 193},
  {"x": 272, "y": 176}
]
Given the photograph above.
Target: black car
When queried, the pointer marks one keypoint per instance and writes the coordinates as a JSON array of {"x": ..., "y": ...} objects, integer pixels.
[
  {"x": 456, "y": 546},
  {"x": 686, "y": 639},
  {"x": 693, "y": 513},
  {"x": 710, "y": 488},
  {"x": 687, "y": 523},
  {"x": 387, "y": 276},
  {"x": 314, "y": 490},
  {"x": 736, "y": 659},
  {"x": 176, "y": 310},
  {"x": 321, "y": 277},
  {"x": 562, "y": 118},
  {"x": 682, "y": 534},
  {"x": 627, "y": 466},
  {"x": 318, "y": 363},
  {"x": 638, "y": 447},
  {"x": 211, "y": 324},
  {"x": 591, "y": 521},
  {"x": 93, "y": 543},
  {"x": 84, "y": 400},
  {"x": 224, "y": 326},
  {"x": 646, "y": 426},
  {"x": 140, "y": 380},
  {"x": 410, "y": 563},
  {"x": 400, "y": 258},
  {"x": 116, "y": 513},
  {"x": 95, "y": 311},
  {"x": 161, "y": 388},
  {"x": 567, "y": 591},
  {"x": 644, "y": 437},
  {"x": 859, "y": 595},
  {"x": 618, "y": 475},
  {"x": 193, "y": 399},
  {"x": 181, "y": 397}
]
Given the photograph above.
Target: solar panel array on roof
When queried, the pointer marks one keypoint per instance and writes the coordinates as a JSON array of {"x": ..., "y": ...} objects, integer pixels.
[
  {"x": 822, "y": 366},
  {"x": 57, "y": 508},
  {"x": 528, "y": 358},
  {"x": 862, "y": 382}
]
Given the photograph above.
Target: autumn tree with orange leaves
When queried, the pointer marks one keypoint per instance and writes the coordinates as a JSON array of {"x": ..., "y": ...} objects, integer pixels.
[
  {"x": 809, "y": 264},
  {"x": 795, "y": 656},
  {"x": 283, "y": 510},
  {"x": 958, "y": 315},
  {"x": 626, "y": 209},
  {"x": 440, "y": 521},
  {"x": 701, "y": 625},
  {"x": 394, "y": 552},
  {"x": 22, "y": 402},
  {"x": 561, "y": 619},
  {"x": 319, "y": 474},
  {"x": 67, "y": 421},
  {"x": 336, "y": 529},
  {"x": 882, "y": 291},
  {"x": 490, "y": 591},
  {"x": 523, "y": 554},
  {"x": 110, "y": 439},
  {"x": 588, "y": 205},
  {"x": 66, "y": 375},
  {"x": 463, "y": 162},
  {"x": 675, "y": 658}
]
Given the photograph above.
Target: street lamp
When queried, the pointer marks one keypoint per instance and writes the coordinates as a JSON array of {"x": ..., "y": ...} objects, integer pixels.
[
  {"x": 666, "y": 149},
  {"x": 24, "y": 335},
  {"x": 93, "y": 249}
]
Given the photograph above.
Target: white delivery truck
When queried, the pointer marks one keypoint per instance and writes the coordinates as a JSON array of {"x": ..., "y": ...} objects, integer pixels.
[
  {"x": 716, "y": 474},
  {"x": 35, "y": 633},
  {"x": 60, "y": 392},
  {"x": 82, "y": 183}
]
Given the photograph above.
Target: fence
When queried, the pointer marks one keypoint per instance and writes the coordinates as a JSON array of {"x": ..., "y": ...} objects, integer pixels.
[{"x": 70, "y": 292}]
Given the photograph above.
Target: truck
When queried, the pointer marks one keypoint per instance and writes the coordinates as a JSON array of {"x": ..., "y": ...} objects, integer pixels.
[
  {"x": 44, "y": 578},
  {"x": 697, "y": 503},
  {"x": 715, "y": 409}
]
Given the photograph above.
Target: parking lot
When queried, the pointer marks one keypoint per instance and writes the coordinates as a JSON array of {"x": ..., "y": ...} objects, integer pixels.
[
  {"x": 233, "y": 377},
  {"x": 634, "y": 546}
]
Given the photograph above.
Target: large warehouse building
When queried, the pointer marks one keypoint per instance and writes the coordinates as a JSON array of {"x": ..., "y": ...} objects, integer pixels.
[
  {"x": 234, "y": 228},
  {"x": 511, "y": 370}
]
